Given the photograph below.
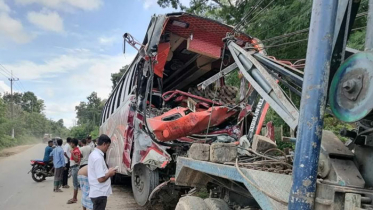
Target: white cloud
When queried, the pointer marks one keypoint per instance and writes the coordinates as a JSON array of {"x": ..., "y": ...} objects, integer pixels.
[
  {"x": 98, "y": 75},
  {"x": 96, "y": 70},
  {"x": 4, "y": 7},
  {"x": 150, "y": 3},
  {"x": 108, "y": 40},
  {"x": 65, "y": 4},
  {"x": 4, "y": 88},
  {"x": 65, "y": 111},
  {"x": 46, "y": 20},
  {"x": 13, "y": 29},
  {"x": 49, "y": 92}
]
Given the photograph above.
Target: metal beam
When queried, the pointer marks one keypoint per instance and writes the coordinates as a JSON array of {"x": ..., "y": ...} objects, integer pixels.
[
  {"x": 279, "y": 69},
  {"x": 245, "y": 69},
  {"x": 315, "y": 84},
  {"x": 217, "y": 76},
  {"x": 276, "y": 92}
]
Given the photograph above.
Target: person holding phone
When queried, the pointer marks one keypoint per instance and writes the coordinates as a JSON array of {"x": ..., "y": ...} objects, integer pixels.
[{"x": 99, "y": 175}]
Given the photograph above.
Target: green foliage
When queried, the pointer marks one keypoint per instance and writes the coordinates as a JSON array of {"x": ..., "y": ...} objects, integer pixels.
[
  {"x": 115, "y": 78},
  {"x": 28, "y": 101},
  {"x": 28, "y": 121},
  {"x": 88, "y": 115},
  {"x": 334, "y": 125},
  {"x": 233, "y": 79},
  {"x": 90, "y": 112}
]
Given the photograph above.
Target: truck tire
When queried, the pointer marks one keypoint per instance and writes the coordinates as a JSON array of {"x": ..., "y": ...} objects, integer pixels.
[
  {"x": 191, "y": 203},
  {"x": 143, "y": 182},
  {"x": 216, "y": 204}
]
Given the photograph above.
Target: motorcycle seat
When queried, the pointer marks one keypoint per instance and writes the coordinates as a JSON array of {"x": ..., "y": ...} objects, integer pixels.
[{"x": 40, "y": 162}]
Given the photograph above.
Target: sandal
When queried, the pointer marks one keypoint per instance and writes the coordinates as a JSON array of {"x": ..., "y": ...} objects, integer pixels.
[
  {"x": 57, "y": 190},
  {"x": 66, "y": 186},
  {"x": 71, "y": 201}
]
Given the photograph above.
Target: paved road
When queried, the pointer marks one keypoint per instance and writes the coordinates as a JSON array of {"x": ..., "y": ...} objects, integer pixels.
[{"x": 19, "y": 192}]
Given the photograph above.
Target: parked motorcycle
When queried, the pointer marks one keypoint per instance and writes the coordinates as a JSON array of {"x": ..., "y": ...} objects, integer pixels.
[{"x": 40, "y": 170}]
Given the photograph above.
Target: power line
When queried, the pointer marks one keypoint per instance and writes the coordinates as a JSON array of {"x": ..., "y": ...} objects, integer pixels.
[
  {"x": 286, "y": 35},
  {"x": 20, "y": 86},
  {"x": 304, "y": 31},
  {"x": 257, "y": 14},
  {"x": 287, "y": 19},
  {"x": 5, "y": 69},
  {"x": 247, "y": 15},
  {"x": 282, "y": 44},
  {"x": 6, "y": 76}
]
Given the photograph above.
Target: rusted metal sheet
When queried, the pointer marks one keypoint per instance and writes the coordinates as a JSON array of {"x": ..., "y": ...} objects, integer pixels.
[
  {"x": 278, "y": 185},
  {"x": 333, "y": 146},
  {"x": 163, "y": 50},
  {"x": 225, "y": 95},
  {"x": 178, "y": 122}
]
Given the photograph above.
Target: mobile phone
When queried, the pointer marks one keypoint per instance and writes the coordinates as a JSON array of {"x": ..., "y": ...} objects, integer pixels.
[{"x": 116, "y": 168}]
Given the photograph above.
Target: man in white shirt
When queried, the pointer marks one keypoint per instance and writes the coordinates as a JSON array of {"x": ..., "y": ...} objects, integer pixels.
[
  {"x": 67, "y": 154},
  {"x": 90, "y": 142},
  {"x": 99, "y": 175},
  {"x": 85, "y": 150}
]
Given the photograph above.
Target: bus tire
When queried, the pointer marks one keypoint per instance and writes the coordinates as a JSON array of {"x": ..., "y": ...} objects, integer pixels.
[
  {"x": 191, "y": 203},
  {"x": 143, "y": 182},
  {"x": 216, "y": 204}
]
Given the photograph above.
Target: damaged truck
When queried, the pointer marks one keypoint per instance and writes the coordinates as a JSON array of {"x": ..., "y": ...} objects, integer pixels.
[{"x": 176, "y": 125}]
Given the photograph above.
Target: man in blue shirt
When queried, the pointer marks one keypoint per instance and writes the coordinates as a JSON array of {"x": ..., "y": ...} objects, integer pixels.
[
  {"x": 59, "y": 164},
  {"x": 47, "y": 152},
  {"x": 47, "y": 159}
]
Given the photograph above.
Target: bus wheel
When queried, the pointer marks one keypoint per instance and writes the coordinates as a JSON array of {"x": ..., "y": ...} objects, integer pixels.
[
  {"x": 191, "y": 203},
  {"x": 143, "y": 182}
]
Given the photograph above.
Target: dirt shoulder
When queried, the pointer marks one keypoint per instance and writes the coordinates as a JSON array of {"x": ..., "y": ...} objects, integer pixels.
[{"x": 14, "y": 150}]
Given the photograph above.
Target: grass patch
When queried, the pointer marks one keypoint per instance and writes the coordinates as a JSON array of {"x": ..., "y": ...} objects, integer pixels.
[{"x": 7, "y": 141}]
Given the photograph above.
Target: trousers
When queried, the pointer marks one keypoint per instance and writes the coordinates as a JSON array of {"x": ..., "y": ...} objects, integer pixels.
[
  {"x": 65, "y": 176},
  {"x": 99, "y": 203}
]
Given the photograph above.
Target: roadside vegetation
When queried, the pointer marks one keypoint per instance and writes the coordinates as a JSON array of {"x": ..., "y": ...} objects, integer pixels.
[{"x": 28, "y": 120}]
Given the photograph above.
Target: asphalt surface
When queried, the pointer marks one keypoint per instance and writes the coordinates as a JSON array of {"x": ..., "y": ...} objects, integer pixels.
[{"x": 18, "y": 191}]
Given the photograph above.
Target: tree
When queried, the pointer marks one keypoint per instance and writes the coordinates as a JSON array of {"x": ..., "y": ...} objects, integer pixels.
[
  {"x": 17, "y": 98},
  {"x": 30, "y": 103},
  {"x": 89, "y": 112},
  {"x": 115, "y": 78}
]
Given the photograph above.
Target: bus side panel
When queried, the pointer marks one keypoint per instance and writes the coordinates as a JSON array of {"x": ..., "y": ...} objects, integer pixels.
[{"x": 115, "y": 127}]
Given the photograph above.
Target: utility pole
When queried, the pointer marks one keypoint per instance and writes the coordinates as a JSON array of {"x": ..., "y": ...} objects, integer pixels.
[{"x": 12, "y": 79}]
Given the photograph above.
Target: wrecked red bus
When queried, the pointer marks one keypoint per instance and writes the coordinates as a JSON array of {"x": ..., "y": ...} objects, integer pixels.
[{"x": 171, "y": 96}]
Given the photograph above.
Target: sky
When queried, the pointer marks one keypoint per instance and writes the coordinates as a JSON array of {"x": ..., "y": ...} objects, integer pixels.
[{"x": 63, "y": 50}]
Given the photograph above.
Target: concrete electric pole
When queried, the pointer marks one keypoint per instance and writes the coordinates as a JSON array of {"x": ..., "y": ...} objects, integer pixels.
[{"x": 12, "y": 79}]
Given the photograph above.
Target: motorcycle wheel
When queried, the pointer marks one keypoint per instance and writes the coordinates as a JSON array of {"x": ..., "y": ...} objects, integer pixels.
[{"x": 37, "y": 174}]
